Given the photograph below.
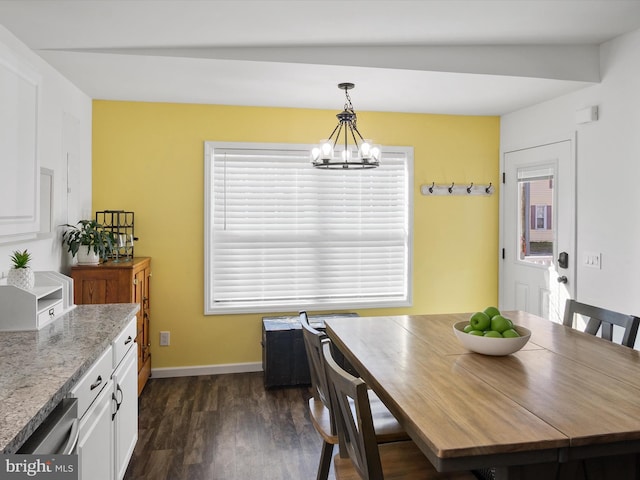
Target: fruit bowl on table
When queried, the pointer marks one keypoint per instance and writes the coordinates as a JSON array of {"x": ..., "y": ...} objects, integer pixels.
[{"x": 490, "y": 345}]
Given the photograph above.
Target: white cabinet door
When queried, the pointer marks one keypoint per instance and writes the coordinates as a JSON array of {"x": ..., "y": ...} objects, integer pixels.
[
  {"x": 125, "y": 421},
  {"x": 19, "y": 165},
  {"x": 95, "y": 443}
]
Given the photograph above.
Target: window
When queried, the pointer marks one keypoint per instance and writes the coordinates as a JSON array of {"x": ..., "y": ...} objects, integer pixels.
[
  {"x": 281, "y": 235},
  {"x": 535, "y": 206},
  {"x": 541, "y": 215}
]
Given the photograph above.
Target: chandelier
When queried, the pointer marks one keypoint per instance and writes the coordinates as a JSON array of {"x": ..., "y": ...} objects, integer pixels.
[{"x": 361, "y": 153}]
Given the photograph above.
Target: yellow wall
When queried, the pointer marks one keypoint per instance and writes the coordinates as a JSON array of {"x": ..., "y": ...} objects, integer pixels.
[{"x": 149, "y": 158}]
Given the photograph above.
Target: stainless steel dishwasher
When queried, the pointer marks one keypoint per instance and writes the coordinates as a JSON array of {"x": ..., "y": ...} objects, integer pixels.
[{"x": 58, "y": 433}]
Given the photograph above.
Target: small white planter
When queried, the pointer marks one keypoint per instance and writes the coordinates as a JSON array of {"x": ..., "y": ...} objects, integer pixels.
[
  {"x": 86, "y": 256},
  {"x": 21, "y": 278}
]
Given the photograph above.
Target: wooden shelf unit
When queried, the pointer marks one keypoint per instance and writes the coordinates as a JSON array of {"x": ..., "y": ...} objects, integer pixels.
[{"x": 120, "y": 282}]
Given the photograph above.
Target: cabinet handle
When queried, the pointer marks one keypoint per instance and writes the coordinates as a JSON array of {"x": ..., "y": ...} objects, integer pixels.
[
  {"x": 128, "y": 340},
  {"x": 52, "y": 312},
  {"x": 114, "y": 398},
  {"x": 135, "y": 281},
  {"x": 96, "y": 383},
  {"x": 118, "y": 389},
  {"x": 114, "y": 402}
]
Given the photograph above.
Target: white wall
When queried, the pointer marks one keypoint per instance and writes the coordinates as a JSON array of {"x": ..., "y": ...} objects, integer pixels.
[
  {"x": 608, "y": 171},
  {"x": 64, "y": 126}
]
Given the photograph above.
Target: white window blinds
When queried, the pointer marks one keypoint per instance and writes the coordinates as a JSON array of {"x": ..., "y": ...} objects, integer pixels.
[{"x": 282, "y": 235}]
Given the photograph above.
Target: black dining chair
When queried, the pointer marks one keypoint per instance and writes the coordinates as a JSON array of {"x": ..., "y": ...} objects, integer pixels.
[
  {"x": 603, "y": 320},
  {"x": 367, "y": 459},
  {"x": 387, "y": 428}
]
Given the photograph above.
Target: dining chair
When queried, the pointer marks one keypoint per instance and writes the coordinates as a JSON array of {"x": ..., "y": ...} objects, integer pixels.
[
  {"x": 387, "y": 428},
  {"x": 366, "y": 459},
  {"x": 600, "y": 318}
]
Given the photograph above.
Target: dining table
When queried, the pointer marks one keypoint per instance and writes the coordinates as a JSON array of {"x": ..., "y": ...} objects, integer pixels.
[{"x": 565, "y": 406}]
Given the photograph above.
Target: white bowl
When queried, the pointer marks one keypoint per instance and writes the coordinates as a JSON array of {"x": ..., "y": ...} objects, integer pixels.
[{"x": 492, "y": 345}]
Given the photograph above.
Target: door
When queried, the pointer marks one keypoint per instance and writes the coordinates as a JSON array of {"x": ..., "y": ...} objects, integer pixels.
[
  {"x": 125, "y": 419},
  {"x": 538, "y": 224},
  {"x": 95, "y": 443}
]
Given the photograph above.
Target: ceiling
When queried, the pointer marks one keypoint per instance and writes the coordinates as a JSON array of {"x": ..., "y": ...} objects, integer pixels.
[{"x": 471, "y": 57}]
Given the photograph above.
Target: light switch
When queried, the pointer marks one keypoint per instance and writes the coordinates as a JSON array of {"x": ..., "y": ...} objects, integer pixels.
[{"x": 593, "y": 260}]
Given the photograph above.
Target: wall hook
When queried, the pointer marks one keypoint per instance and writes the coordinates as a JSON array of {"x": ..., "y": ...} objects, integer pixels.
[{"x": 470, "y": 189}]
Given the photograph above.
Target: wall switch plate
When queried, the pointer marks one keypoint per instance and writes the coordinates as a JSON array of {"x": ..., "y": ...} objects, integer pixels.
[
  {"x": 165, "y": 339},
  {"x": 593, "y": 260}
]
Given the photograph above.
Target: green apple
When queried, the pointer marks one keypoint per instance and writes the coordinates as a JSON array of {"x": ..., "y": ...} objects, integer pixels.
[
  {"x": 480, "y": 321},
  {"x": 491, "y": 311},
  {"x": 493, "y": 333},
  {"x": 500, "y": 323},
  {"x": 467, "y": 328},
  {"x": 511, "y": 333},
  {"x": 479, "y": 333}
]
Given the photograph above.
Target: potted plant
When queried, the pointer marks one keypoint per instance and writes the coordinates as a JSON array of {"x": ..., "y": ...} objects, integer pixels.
[
  {"x": 21, "y": 275},
  {"x": 89, "y": 241}
]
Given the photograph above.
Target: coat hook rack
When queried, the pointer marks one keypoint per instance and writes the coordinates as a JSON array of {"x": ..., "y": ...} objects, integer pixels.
[{"x": 452, "y": 189}]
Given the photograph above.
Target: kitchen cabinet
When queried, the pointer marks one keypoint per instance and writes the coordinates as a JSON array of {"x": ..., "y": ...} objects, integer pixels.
[
  {"x": 95, "y": 441},
  {"x": 125, "y": 399},
  {"x": 120, "y": 282},
  {"x": 94, "y": 392},
  {"x": 108, "y": 409},
  {"x": 19, "y": 163}
]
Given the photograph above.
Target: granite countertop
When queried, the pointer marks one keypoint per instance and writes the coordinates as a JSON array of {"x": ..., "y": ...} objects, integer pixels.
[{"x": 39, "y": 368}]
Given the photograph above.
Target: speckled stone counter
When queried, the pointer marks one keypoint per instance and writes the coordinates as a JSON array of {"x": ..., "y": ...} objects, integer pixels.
[{"x": 39, "y": 368}]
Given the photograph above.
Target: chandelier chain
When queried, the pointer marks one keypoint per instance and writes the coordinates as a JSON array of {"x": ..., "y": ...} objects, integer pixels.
[{"x": 348, "y": 106}]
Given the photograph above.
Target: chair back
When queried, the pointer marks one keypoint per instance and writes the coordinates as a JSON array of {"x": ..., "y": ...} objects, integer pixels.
[
  {"x": 350, "y": 398},
  {"x": 600, "y": 318},
  {"x": 313, "y": 342}
]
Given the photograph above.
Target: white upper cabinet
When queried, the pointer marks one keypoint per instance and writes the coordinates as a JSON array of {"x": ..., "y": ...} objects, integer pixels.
[{"x": 20, "y": 88}]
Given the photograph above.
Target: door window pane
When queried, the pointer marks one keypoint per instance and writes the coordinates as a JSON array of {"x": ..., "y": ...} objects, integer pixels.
[{"x": 536, "y": 231}]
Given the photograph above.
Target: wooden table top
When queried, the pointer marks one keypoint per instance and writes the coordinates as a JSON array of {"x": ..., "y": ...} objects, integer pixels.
[{"x": 564, "y": 390}]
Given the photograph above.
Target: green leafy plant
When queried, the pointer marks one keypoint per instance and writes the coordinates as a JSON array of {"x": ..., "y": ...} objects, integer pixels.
[
  {"x": 89, "y": 234},
  {"x": 20, "y": 259}
]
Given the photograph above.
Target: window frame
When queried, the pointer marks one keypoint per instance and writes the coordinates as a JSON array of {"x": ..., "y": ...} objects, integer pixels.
[{"x": 269, "y": 307}]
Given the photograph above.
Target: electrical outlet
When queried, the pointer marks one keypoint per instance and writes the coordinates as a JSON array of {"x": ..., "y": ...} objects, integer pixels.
[{"x": 165, "y": 339}]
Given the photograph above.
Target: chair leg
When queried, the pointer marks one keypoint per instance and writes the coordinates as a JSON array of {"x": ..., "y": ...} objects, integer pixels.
[{"x": 325, "y": 461}]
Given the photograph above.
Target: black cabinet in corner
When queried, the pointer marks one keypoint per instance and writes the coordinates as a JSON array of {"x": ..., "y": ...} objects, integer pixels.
[{"x": 284, "y": 358}]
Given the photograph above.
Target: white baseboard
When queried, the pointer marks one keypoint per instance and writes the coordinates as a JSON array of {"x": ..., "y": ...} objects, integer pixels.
[{"x": 205, "y": 370}]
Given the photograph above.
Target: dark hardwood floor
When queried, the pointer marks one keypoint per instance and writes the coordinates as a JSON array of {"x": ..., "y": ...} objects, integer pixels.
[{"x": 224, "y": 427}]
